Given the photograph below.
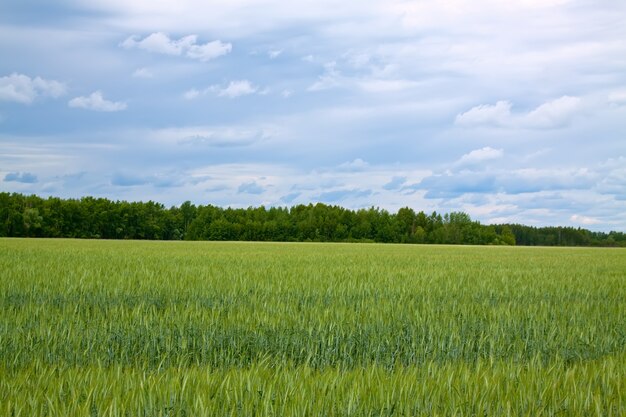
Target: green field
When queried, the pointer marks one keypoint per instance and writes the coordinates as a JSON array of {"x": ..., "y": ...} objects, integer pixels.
[{"x": 116, "y": 328}]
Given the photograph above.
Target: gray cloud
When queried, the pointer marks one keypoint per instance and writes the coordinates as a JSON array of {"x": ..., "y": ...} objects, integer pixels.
[
  {"x": 395, "y": 183},
  {"x": 340, "y": 195},
  {"x": 450, "y": 186},
  {"x": 23, "y": 177},
  {"x": 129, "y": 180},
  {"x": 250, "y": 188},
  {"x": 162, "y": 180},
  {"x": 455, "y": 184},
  {"x": 289, "y": 198}
]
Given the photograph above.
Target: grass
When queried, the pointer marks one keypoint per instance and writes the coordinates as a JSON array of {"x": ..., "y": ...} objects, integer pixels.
[{"x": 114, "y": 328}]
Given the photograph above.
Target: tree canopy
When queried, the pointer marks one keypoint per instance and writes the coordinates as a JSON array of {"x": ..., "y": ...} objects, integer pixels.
[{"x": 100, "y": 218}]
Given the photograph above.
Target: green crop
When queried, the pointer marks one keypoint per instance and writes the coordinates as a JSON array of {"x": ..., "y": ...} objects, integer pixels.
[{"x": 116, "y": 328}]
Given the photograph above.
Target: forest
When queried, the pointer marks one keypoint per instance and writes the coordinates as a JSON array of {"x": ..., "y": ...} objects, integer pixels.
[{"x": 100, "y": 218}]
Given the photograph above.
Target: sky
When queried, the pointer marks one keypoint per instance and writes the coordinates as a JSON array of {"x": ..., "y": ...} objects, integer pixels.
[{"x": 511, "y": 111}]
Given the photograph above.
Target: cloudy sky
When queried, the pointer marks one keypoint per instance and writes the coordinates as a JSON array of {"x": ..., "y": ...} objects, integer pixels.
[{"x": 512, "y": 111}]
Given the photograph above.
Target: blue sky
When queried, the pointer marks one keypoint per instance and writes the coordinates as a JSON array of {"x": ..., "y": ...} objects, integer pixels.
[{"x": 510, "y": 111}]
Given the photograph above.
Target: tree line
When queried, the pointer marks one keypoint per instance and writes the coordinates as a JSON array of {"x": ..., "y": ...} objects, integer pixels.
[{"x": 100, "y": 218}]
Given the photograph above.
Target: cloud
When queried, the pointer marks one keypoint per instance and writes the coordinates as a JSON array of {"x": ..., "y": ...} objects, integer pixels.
[
  {"x": 377, "y": 85},
  {"x": 223, "y": 137},
  {"x": 451, "y": 186},
  {"x": 209, "y": 51},
  {"x": 233, "y": 90},
  {"x": 512, "y": 182},
  {"x": 532, "y": 180},
  {"x": 217, "y": 140},
  {"x": 331, "y": 78},
  {"x": 554, "y": 113},
  {"x": 23, "y": 177},
  {"x": 237, "y": 89},
  {"x": 22, "y": 89},
  {"x": 289, "y": 198},
  {"x": 358, "y": 76},
  {"x": 274, "y": 53},
  {"x": 486, "y": 114},
  {"x": 210, "y": 136},
  {"x": 549, "y": 115},
  {"x": 339, "y": 195},
  {"x": 617, "y": 97},
  {"x": 587, "y": 221},
  {"x": 142, "y": 73},
  {"x": 161, "y": 43},
  {"x": 250, "y": 188},
  {"x": 95, "y": 101},
  {"x": 355, "y": 165},
  {"x": 614, "y": 178},
  {"x": 478, "y": 156},
  {"x": 395, "y": 183},
  {"x": 166, "y": 180},
  {"x": 128, "y": 180},
  {"x": 192, "y": 94}
]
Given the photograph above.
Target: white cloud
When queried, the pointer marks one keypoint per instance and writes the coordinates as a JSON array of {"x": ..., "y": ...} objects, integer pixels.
[
  {"x": 223, "y": 137},
  {"x": 211, "y": 136},
  {"x": 232, "y": 90},
  {"x": 618, "y": 97},
  {"x": 21, "y": 88},
  {"x": 553, "y": 113},
  {"x": 95, "y": 101},
  {"x": 331, "y": 78},
  {"x": 359, "y": 60},
  {"x": 235, "y": 89},
  {"x": 355, "y": 165},
  {"x": 274, "y": 53},
  {"x": 549, "y": 115},
  {"x": 373, "y": 85},
  {"x": 486, "y": 114},
  {"x": 161, "y": 43},
  {"x": 576, "y": 218},
  {"x": 209, "y": 51},
  {"x": 142, "y": 73},
  {"x": 191, "y": 94},
  {"x": 373, "y": 82},
  {"x": 480, "y": 155}
]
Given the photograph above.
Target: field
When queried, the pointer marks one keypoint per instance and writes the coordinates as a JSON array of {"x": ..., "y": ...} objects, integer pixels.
[{"x": 116, "y": 328}]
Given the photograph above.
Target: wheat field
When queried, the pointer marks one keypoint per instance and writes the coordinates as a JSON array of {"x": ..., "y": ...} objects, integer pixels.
[{"x": 137, "y": 328}]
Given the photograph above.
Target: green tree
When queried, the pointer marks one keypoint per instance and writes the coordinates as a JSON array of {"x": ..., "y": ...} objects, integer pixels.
[
  {"x": 507, "y": 236},
  {"x": 32, "y": 221}
]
